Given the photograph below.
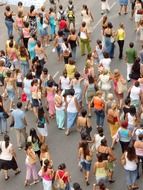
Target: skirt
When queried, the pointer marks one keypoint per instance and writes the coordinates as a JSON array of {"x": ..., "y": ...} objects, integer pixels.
[
  {"x": 71, "y": 119},
  {"x": 123, "y": 2},
  {"x": 43, "y": 131},
  {"x": 47, "y": 185},
  {"x": 8, "y": 164}
]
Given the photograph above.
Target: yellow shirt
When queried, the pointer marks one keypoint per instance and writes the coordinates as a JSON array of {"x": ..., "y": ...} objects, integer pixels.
[
  {"x": 70, "y": 70},
  {"x": 120, "y": 34}
]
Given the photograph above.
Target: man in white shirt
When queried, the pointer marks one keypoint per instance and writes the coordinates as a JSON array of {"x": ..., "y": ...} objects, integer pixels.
[{"x": 135, "y": 94}]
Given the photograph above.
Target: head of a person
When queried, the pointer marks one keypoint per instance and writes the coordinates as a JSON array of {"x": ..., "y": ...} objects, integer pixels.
[
  {"x": 121, "y": 25},
  {"x": 99, "y": 43},
  {"x": 70, "y": 2},
  {"x": 101, "y": 185},
  {"x": 32, "y": 8},
  {"x": 114, "y": 105},
  {"x": 46, "y": 164},
  {"x": 89, "y": 55},
  {"x": 34, "y": 82},
  {"x": 131, "y": 44},
  {"x": 28, "y": 145},
  {"x": 33, "y": 133},
  {"x": 8, "y": 74},
  {"x": 39, "y": 43},
  {"x": 124, "y": 124},
  {"x": 29, "y": 76},
  {"x": 2, "y": 53},
  {"x": 110, "y": 97},
  {"x": 76, "y": 186},
  {"x": 77, "y": 75},
  {"x": 83, "y": 112},
  {"x": 26, "y": 24},
  {"x": 20, "y": 4},
  {"x": 131, "y": 154},
  {"x": 61, "y": 7},
  {"x": 116, "y": 73},
  {"x": 137, "y": 61},
  {"x": 44, "y": 148},
  {"x": 51, "y": 10},
  {"x": 90, "y": 79},
  {"x": 71, "y": 62},
  {"x": 6, "y": 139},
  {"x": 19, "y": 105},
  {"x": 65, "y": 73},
  {"x": 45, "y": 71},
  {"x": 73, "y": 31},
  {"x": 100, "y": 131},
  {"x": 106, "y": 55},
  {"x": 43, "y": 8},
  {"x": 104, "y": 142},
  {"x": 140, "y": 137},
  {"x": 62, "y": 166},
  {"x": 137, "y": 84},
  {"x": 50, "y": 84},
  {"x": 127, "y": 101},
  {"x": 60, "y": 33},
  {"x": 99, "y": 93},
  {"x": 7, "y": 8},
  {"x": 132, "y": 110},
  {"x": 83, "y": 24},
  {"x": 110, "y": 25},
  {"x": 11, "y": 44}
]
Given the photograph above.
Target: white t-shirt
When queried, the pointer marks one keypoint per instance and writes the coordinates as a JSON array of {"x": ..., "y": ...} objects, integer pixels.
[
  {"x": 65, "y": 83},
  {"x": 6, "y": 152},
  {"x": 98, "y": 140},
  {"x": 106, "y": 62},
  {"x": 130, "y": 165},
  {"x": 135, "y": 92},
  {"x": 105, "y": 82}
]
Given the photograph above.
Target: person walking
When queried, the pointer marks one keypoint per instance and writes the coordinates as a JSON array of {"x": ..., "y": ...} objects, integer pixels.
[
  {"x": 20, "y": 123},
  {"x": 131, "y": 55},
  {"x": 8, "y": 157},
  {"x": 120, "y": 36}
]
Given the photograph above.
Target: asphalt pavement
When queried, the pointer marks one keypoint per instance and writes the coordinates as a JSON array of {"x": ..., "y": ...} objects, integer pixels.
[{"x": 63, "y": 148}]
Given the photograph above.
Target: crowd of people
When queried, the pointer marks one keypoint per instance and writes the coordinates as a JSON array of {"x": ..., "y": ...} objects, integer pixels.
[{"x": 75, "y": 98}]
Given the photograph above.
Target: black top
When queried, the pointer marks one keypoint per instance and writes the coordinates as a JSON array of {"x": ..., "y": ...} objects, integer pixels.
[{"x": 72, "y": 43}]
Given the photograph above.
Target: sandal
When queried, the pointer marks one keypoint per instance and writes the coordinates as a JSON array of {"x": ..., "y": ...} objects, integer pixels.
[
  {"x": 6, "y": 178},
  {"x": 18, "y": 172},
  {"x": 135, "y": 187}
]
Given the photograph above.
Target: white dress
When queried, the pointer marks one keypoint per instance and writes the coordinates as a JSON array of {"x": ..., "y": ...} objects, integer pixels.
[{"x": 138, "y": 16}]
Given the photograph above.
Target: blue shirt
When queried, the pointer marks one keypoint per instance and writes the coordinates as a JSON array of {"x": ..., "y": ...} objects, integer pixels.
[{"x": 19, "y": 116}]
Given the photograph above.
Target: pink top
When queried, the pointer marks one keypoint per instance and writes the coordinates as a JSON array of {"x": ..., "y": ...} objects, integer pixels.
[
  {"x": 47, "y": 175},
  {"x": 19, "y": 22},
  {"x": 26, "y": 33}
]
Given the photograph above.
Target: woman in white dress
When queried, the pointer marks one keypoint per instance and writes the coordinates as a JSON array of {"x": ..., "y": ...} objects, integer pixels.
[
  {"x": 140, "y": 31},
  {"x": 87, "y": 18},
  {"x": 138, "y": 17}
]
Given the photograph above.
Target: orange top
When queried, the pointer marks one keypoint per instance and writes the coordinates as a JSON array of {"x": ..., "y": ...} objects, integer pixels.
[{"x": 98, "y": 103}]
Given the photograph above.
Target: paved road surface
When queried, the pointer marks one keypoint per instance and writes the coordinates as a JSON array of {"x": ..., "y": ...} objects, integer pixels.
[{"x": 63, "y": 148}]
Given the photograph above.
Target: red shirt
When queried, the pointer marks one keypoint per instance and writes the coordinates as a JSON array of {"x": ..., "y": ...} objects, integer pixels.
[
  {"x": 63, "y": 24},
  {"x": 60, "y": 175}
]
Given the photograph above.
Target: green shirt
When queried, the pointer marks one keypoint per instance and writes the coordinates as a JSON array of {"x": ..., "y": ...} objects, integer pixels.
[{"x": 131, "y": 55}]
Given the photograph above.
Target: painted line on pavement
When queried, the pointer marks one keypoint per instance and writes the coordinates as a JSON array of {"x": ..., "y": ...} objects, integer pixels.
[
  {"x": 55, "y": 75},
  {"x": 99, "y": 21}
]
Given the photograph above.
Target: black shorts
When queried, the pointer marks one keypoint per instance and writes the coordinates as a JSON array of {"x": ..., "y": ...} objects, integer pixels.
[{"x": 19, "y": 84}]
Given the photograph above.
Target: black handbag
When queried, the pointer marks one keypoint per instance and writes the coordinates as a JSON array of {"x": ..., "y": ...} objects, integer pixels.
[{"x": 5, "y": 115}]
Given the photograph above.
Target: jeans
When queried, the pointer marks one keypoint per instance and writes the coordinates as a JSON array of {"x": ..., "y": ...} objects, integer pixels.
[
  {"x": 131, "y": 177},
  {"x": 74, "y": 53},
  {"x": 121, "y": 45},
  {"x": 138, "y": 165},
  {"x": 100, "y": 115},
  {"x": 3, "y": 123},
  {"x": 9, "y": 25}
]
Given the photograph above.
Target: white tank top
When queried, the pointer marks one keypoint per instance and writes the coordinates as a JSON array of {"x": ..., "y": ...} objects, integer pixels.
[
  {"x": 71, "y": 105},
  {"x": 130, "y": 165}
]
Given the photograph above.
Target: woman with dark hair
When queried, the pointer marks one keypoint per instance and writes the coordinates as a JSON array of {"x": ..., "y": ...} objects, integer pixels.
[
  {"x": 27, "y": 89},
  {"x": 85, "y": 159},
  {"x": 108, "y": 156},
  {"x": 58, "y": 44},
  {"x": 52, "y": 23},
  {"x": 31, "y": 46},
  {"x": 34, "y": 139},
  {"x": 7, "y": 157},
  {"x": 9, "y": 20},
  {"x": 66, "y": 51},
  {"x": 32, "y": 19},
  {"x": 47, "y": 174},
  {"x": 24, "y": 60},
  {"x": 72, "y": 110},
  {"x": 132, "y": 118},
  {"x": 73, "y": 41},
  {"x": 63, "y": 174},
  {"x": 135, "y": 71},
  {"x": 42, "y": 125},
  {"x": 50, "y": 90},
  {"x": 130, "y": 167},
  {"x": 76, "y": 84}
]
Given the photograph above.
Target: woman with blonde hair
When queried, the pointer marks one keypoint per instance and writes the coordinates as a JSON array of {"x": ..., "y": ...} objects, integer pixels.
[
  {"x": 45, "y": 154},
  {"x": 120, "y": 36}
]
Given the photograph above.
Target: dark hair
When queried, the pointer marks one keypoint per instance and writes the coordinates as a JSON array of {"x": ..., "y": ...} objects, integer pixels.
[
  {"x": 40, "y": 112},
  {"x": 2, "y": 52},
  {"x": 22, "y": 51},
  {"x": 19, "y": 105},
  {"x": 20, "y": 3},
  {"x": 34, "y": 81},
  {"x": 60, "y": 7},
  {"x": 76, "y": 186},
  {"x": 34, "y": 135},
  {"x": 6, "y": 139},
  {"x": 28, "y": 144},
  {"x": 104, "y": 142},
  {"x": 7, "y": 8},
  {"x": 110, "y": 25},
  {"x": 62, "y": 166},
  {"x": 89, "y": 55},
  {"x": 38, "y": 43},
  {"x": 132, "y": 110},
  {"x": 46, "y": 164},
  {"x": 77, "y": 75},
  {"x": 131, "y": 154},
  {"x": 140, "y": 137},
  {"x": 127, "y": 101},
  {"x": 32, "y": 8},
  {"x": 131, "y": 44},
  {"x": 29, "y": 76},
  {"x": 106, "y": 54},
  {"x": 45, "y": 70},
  {"x": 137, "y": 84},
  {"x": 26, "y": 24},
  {"x": 83, "y": 112},
  {"x": 85, "y": 147},
  {"x": 100, "y": 131},
  {"x": 71, "y": 61},
  {"x": 83, "y": 24}
]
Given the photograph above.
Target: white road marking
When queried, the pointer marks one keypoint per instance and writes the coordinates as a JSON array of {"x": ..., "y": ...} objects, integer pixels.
[
  {"x": 99, "y": 21},
  {"x": 55, "y": 75}
]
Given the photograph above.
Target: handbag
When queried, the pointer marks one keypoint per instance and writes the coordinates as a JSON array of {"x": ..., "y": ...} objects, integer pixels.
[
  {"x": 110, "y": 119},
  {"x": 23, "y": 97},
  {"x": 60, "y": 184},
  {"x": 121, "y": 88},
  {"x": 5, "y": 115}
]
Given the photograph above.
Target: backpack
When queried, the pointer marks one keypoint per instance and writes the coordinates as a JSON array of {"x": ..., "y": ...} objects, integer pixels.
[
  {"x": 62, "y": 14},
  {"x": 60, "y": 184},
  {"x": 70, "y": 14}
]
